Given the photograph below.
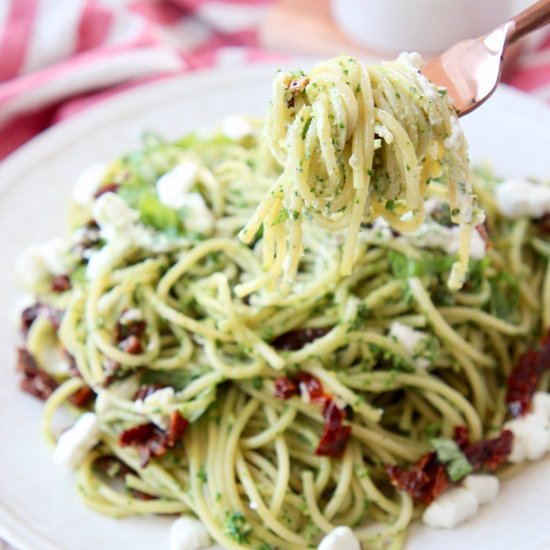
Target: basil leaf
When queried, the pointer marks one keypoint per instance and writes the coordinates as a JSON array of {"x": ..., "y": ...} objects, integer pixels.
[{"x": 451, "y": 455}]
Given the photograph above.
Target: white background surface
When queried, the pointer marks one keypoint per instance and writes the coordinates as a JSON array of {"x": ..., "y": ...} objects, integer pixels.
[{"x": 39, "y": 507}]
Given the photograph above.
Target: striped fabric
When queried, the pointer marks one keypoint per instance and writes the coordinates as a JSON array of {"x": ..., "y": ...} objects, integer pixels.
[{"x": 59, "y": 56}]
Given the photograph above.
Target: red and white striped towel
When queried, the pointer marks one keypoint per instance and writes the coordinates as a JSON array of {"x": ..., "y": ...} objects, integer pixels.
[{"x": 59, "y": 56}]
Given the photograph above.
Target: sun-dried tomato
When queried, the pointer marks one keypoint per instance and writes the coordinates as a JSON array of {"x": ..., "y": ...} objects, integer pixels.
[
  {"x": 61, "y": 283},
  {"x": 131, "y": 345},
  {"x": 490, "y": 453},
  {"x": 31, "y": 313},
  {"x": 461, "y": 436},
  {"x": 483, "y": 230},
  {"x": 543, "y": 224},
  {"x": 108, "y": 188},
  {"x": 130, "y": 327},
  {"x": 285, "y": 388},
  {"x": 151, "y": 441},
  {"x": 424, "y": 481},
  {"x": 35, "y": 381},
  {"x": 138, "y": 434},
  {"x": 525, "y": 377},
  {"x": 312, "y": 385},
  {"x": 335, "y": 436},
  {"x": 427, "y": 478},
  {"x": 176, "y": 428},
  {"x": 82, "y": 397},
  {"x": 297, "y": 339}
]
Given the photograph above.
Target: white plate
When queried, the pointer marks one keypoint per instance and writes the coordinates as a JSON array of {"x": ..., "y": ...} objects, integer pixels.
[{"x": 39, "y": 507}]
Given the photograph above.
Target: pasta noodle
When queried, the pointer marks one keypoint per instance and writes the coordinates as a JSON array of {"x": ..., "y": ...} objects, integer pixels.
[
  {"x": 357, "y": 143},
  {"x": 170, "y": 319}
]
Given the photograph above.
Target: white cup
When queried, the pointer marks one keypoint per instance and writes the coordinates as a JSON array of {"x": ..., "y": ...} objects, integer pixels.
[{"x": 426, "y": 26}]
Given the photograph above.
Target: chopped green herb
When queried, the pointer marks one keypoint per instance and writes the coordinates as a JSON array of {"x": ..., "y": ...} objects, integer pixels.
[
  {"x": 450, "y": 454},
  {"x": 202, "y": 475}
]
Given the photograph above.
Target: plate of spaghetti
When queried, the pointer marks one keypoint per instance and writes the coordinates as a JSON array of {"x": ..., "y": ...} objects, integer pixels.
[{"x": 324, "y": 323}]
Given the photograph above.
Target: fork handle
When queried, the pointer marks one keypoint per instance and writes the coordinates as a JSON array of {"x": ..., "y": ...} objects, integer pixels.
[{"x": 530, "y": 19}]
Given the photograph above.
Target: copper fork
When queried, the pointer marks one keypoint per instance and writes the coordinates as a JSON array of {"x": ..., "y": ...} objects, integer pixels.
[{"x": 471, "y": 70}]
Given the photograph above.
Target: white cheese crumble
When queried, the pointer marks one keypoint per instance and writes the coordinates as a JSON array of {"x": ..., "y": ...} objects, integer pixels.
[
  {"x": 236, "y": 127},
  {"x": 87, "y": 184},
  {"x": 187, "y": 533},
  {"x": 38, "y": 264},
  {"x": 155, "y": 406},
  {"x": 198, "y": 217},
  {"x": 109, "y": 399},
  {"x": 109, "y": 210},
  {"x": 540, "y": 404},
  {"x": 517, "y": 198},
  {"x": 447, "y": 239},
  {"x": 484, "y": 487},
  {"x": 30, "y": 269},
  {"x": 531, "y": 431},
  {"x": 103, "y": 259},
  {"x": 76, "y": 442},
  {"x": 450, "y": 509},
  {"x": 173, "y": 187},
  {"x": 460, "y": 504},
  {"x": 414, "y": 341},
  {"x": 340, "y": 538},
  {"x": 531, "y": 437}
]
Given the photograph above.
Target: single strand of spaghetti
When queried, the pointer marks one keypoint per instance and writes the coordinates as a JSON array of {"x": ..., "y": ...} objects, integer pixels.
[
  {"x": 268, "y": 242},
  {"x": 460, "y": 314},
  {"x": 145, "y": 272},
  {"x": 56, "y": 399},
  {"x": 442, "y": 328},
  {"x": 476, "y": 300},
  {"x": 200, "y": 384},
  {"x": 381, "y": 294},
  {"x": 270, "y": 434},
  {"x": 309, "y": 494},
  {"x": 481, "y": 397},
  {"x": 94, "y": 361},
  {"x": 343, "y": 485}
]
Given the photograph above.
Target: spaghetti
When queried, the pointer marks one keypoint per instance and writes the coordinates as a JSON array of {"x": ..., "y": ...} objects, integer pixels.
[
  {"x": 358, "y": 143},
  {"x": 292, "y": 405}
]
